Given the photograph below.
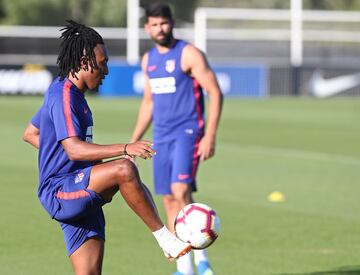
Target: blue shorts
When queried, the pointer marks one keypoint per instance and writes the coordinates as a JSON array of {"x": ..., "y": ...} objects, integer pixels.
[
  {"x": 176, "y": 161},
  {"x": 80, "y": 213}
]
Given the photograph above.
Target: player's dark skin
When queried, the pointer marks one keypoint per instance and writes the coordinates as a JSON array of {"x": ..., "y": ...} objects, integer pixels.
[{"x": 107, "y": 178}]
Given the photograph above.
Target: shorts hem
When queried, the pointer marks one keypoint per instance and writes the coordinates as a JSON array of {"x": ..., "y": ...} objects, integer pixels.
[{"x": 92, "y": 235}]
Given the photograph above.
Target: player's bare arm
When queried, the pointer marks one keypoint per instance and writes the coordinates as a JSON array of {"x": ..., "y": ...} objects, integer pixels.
[
  {"x": 78, "y": 150},
  {"x": 145, "y": 111},
  {"x": 194, "y": 62},
  {"x": 31, "y": 135}
]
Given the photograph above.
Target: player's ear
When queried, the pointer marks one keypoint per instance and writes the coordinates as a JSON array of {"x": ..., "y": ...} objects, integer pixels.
[
  {"x": 84, "y": 61},
  {"x": 147, "y": 27}
]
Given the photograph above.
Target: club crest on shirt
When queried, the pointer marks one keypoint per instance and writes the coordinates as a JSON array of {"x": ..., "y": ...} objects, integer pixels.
[
  {"x": 79, "y": 177},
  {"x": 170, "y": 65}
]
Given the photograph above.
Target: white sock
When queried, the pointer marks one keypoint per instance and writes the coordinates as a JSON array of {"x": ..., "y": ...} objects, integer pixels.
[
  {"x": 184, "y": 264},
  {"x": 161, "y": 234},
  {"x": 199, "y": 256}
]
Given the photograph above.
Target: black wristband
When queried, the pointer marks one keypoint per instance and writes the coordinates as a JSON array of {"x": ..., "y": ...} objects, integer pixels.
[{"x": 125, "y": 152}]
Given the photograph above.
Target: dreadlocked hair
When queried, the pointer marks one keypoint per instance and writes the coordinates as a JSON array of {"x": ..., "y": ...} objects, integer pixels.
[{"x": 78, "y": 41}]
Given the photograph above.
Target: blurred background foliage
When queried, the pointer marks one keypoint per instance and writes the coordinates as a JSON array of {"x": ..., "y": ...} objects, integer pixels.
[{"x": 112, "y": 13}]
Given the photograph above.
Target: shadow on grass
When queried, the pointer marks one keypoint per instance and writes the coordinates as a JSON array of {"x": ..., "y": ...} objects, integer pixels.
[{"x": 348, "y": 270}]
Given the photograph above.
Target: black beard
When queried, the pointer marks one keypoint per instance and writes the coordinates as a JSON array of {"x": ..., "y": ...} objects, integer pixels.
[{"x": 166, "y": 41}]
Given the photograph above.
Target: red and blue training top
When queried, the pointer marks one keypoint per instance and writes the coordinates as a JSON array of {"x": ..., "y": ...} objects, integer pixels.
[
  {"x": 177, "y": 97},
  {"x": 64, "y": 113}
]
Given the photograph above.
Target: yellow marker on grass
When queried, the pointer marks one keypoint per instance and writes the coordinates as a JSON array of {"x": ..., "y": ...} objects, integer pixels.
[{"x": 276, "y": 196}]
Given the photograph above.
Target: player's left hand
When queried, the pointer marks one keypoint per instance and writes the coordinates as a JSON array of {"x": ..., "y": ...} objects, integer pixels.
[
  {"x": 141, "y": 148},
  {"x": 206, "y": 147}
]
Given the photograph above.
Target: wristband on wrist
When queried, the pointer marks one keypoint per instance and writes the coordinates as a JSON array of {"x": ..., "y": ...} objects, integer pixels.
[{"x": 125, "y": 152}]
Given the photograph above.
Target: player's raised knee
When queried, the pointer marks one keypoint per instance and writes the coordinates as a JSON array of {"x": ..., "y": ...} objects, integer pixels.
[{"x": 125, "y": 169}]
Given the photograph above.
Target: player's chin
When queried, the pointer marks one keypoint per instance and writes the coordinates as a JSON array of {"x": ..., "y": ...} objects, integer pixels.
[
  {"x": 96, "y": 85},
  {"x": 165, "y": 41}
]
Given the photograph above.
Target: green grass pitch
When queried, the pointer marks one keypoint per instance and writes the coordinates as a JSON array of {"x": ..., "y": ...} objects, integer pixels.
[{"x": 305, "y": 148}]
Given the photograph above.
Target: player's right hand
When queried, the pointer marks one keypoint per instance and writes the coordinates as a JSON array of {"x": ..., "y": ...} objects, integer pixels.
[{"x": 141, "y": 148}]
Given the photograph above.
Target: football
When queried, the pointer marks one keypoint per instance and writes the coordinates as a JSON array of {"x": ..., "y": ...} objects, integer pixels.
[{"x": 197, "y": 224}]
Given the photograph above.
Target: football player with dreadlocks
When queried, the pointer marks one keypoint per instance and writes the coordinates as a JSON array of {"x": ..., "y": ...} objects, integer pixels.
[{"x": 74, "y": 181}]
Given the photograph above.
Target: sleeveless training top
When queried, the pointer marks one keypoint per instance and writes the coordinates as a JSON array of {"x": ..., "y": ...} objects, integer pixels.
[{"x": 177, "y": 97}]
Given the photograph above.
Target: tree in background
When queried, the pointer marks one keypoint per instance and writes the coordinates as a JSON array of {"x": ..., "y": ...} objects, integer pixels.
[
  {"x": 112, "y": 13},
  {"x": 107, "y": 13},
  {"x": 281, "y": 4},
  {"x": 31, "y": 12},
  {"x": 246, "y": 4},
  {"x": 2, "y": 12},
  {"x": 332, "y": 4}
]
